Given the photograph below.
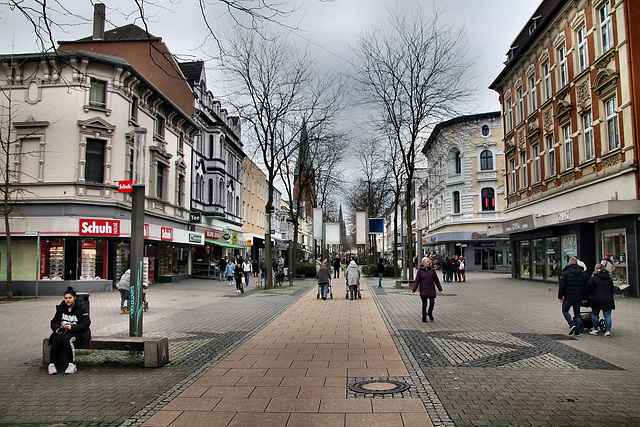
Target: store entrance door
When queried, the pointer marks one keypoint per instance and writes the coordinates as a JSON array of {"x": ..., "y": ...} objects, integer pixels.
[{"x": 486, "y": 258}]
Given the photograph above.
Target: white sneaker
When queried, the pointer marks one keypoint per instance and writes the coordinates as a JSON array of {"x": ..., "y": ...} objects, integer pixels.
[
  {"x": 607, "y": 334},
  {"x": 71, "y": 369},
  {"x": 52, "y": 369},
  {"x": 593, "y": 332}
]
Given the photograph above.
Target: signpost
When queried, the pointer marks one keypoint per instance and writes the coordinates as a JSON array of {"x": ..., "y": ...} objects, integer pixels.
[
  {"x": 137, "y": 231},
  {"x": 195, "y": 217}
]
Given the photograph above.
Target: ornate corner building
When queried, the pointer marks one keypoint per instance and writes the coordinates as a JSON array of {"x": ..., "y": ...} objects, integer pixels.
[{"x": 570, "y": 133}]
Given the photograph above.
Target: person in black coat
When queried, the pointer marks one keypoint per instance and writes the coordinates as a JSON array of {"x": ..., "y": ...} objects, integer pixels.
[
  {"x": 572, "y": 292},
  {"x": 380, "y": 272},
  {"x": 600, "y": 291},
  {"x": 69, "y": 325},
  {"x": 336, "y": 267}
]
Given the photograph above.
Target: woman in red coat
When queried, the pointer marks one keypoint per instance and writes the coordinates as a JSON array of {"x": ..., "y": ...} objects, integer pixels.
[{"x": 427, "y": 280}]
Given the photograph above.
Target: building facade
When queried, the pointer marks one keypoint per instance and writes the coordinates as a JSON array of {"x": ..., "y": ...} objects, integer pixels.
[
  {"x": 463, "y": 191},
  {"x": 74, "y": 118},
  {"x": 571, "y": 146},
  {"x": 254, "y": 201}
]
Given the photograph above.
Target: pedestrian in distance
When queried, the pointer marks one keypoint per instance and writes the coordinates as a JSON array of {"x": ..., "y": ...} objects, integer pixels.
[
  {"x": 229, "y": 272},
  {"x": 607, "y": 264},
  {"x": 124, "y": 287},
  {"x": 352, "y": 275},
  {"x": 238, "y": 274},
  {"x": 255, "y": 268},
  {"x": 461, "y": 268},
  {"x": 380, "y": 272},
  {"x": 600, "y": 291},
  {"x": 70, "y": 324},
  {"x": 223, "y": 267},
  {"x": 247, "y": 268},
  {"x": 427, "y": 280},
  {"x": 454, "y": 269},
  {"x": 572, "y": 292},
  {"x": 336, "y": 267},
  {"x": 324, "y": 279},
  {"x": 446, "y": 269}
]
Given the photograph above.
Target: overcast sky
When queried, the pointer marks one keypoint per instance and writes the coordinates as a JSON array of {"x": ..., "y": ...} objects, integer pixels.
[{"x": 330, "y": 27}]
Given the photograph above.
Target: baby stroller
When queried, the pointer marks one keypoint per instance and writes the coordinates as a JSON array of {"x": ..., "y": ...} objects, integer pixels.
[
  {"x": 587, "y": 320},
  {"x": 329, "y": 292}
]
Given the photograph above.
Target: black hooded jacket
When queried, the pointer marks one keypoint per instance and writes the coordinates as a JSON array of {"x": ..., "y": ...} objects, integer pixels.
[
  {"x": 601, "y": 291},
  {"x": 78, "y": 318},
  {"x": 573, "y": 283}
]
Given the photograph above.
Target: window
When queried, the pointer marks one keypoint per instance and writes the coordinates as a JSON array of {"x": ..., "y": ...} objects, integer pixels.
[
  {"x": 181, "y": 184},
  {"x": 537, "y": 172},
  {"x": 588, "y": 136},
  {"x": 547, "y": 80},
  {"x": 159, "y": 130},
  {"x": 509, "y": 115},
  {"x": 552, "y": 155},
  {"x": 94, "y": 165},
  {"x": 486, "y": 160},
  {"x": 97, "y": 94},
  {"x": 512, "y": 175},
  {"x": 456, "y": 202},
  {"x": 131, "y": 164},
  {"x": 520, "y": 106},
  {"x": 485, "y": 130},
  {"x": 523, "y": 170},
  {"x": 210, "y": 192},
  {"x": 562, "y": 66},
  {"x": 533, "y": 93},
  {"x": 613, "y": 137},
  {"x": 458, "y": 165},
  {"x": 211, "y": 146},
  {"x": 568, "y": 147},
  {"x": 606, "y": 32},
  {"x": 134, "y": 109},
  {"x": 220, "y": 144},
  {"x": 238, "y": 170},
  {"x": 181, "y": 142},
  {"x": 583, "y": 58},
  {"x": 237, "y": 206},
  {"x": 488, "y": 199},
  {"x": 160, "y": 181},
  {"x": 220, "y": 199}
]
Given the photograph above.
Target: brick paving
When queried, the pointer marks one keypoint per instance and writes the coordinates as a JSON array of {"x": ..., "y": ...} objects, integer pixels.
[{"x": 496, "y": 354}]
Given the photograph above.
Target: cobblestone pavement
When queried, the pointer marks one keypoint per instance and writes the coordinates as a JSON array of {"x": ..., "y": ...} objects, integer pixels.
[
  {"x": 203, "y": 319},
  {"x": 498, "y": 353}
]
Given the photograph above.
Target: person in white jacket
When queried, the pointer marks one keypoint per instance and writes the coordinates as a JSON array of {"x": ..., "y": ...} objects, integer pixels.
[
  {"x": 124, "y": 287},
  {"x": 247, "y": 268},
  {"x": 352, "y": 275}
]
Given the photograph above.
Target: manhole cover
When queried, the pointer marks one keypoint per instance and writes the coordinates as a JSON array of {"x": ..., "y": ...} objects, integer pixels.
[{"x": 379, "y": 386}]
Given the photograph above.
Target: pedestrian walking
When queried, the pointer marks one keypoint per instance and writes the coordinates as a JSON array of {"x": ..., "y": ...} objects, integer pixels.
[
  {"x": 461, "y": 268},
  {"x": 572, "y": 292},
  {"x": 247, "y": 268},
  {"x": 69, "y": 325},
  {"x": 238, "y": 274},
  {"x": 223, "y": 267},
  {"x": 352, "y": 275},
  {"x": 229, "y": 272},
  {"x": 324, "y": 279},
  {"x": 600, "y": 291},
  {"x": 454, "y": 269},
  {"x": 446, "y": 269},
  {"x": 336, "y": 267},
  {"x": 255, "y": 268},
  {"x": 380, "y": 272},
  {"x": 124, "y": 287},
  {"x": 427, "y": 280}
]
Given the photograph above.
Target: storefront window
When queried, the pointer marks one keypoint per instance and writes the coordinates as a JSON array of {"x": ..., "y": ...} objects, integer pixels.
[
  {"x": 525, "y": 259},
  {"x": 123, "y": 256},
  {"x": 538, "y": 259},
  {"x": 614, "y": 242},
  {"x": 92, "y": 266},
  {"x": 569, "y": 248},
  {"x": 51, "y": 259},
  {"x": 173, "y": 260},
  {"x": 552, "y": 254}
]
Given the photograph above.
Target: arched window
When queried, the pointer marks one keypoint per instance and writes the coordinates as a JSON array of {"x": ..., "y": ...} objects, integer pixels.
[
  {"x": 458, "y": 163},
  {"x": 488, "y": 199},
  {"x": 210, "y": 191},
  {"x": 221, "y": 144},
  {"x": 485, "y": 130},
  {"x": 456, "y": 202},
  {"x": 197, "y": 192},
  {"x": 237, "y": 205},
  {"x": 210, "y": 146},
  {"x": 221, "y": 192},
  {"x": 486, "y": 160}
]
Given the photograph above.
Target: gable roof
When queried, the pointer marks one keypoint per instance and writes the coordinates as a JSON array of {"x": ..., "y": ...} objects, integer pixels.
[
  {"x": 192, "y": 71},
  {"x": 125, "y": 33}
]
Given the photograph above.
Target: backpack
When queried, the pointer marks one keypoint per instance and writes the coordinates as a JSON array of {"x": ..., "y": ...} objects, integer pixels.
[{"x": 461, "y": 266}]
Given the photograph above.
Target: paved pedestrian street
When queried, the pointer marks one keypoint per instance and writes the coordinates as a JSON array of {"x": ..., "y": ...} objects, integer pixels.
[{"x": 497, "y": 353}]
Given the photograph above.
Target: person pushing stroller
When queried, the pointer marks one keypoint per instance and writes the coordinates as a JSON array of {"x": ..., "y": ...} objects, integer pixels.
[{"x": 352, "y": 274}]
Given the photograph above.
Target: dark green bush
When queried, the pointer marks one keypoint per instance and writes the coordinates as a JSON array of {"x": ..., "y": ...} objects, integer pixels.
[
  {"x": 388, "y": 270},
  {"x": 306, "y": 269}
]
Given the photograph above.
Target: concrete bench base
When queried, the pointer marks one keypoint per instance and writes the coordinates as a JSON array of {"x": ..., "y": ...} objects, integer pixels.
[{"x": 155, "y": 350}]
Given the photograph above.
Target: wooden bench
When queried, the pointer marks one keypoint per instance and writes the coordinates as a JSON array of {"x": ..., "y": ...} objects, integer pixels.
[
  {"x": 399, "y": 283},
  {"x": 155, "y": 350}
]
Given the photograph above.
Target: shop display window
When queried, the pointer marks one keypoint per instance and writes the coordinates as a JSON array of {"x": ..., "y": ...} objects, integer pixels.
[
  {"x": 538, "y": 258},
  {"x": 614, "y": 242},
  {"x": 91, "y": 259},
  {"x": 123, "y": 256},
  {"x": 569, "y": 248},
  {"x": 525, "y": 258},
  {"x": 173, "y": 260},
  {"x": 552, "y": 255},
  {"x": 51, "y": 259}
]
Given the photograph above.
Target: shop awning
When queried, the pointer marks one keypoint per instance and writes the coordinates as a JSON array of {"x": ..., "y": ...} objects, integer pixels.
[{"x": 224, "y": 244}]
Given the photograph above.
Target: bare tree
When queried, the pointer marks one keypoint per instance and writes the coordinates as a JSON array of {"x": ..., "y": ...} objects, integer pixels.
[
  {"x": 413, "y": 74},
  {"x": 275, "y": 90}
]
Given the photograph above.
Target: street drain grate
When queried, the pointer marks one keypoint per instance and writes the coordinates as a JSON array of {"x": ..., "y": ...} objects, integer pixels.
[{"x": 379, "y": 386}]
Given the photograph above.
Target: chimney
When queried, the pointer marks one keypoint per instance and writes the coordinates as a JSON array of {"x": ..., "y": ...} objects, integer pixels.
[{"x": 98, "y": 21}]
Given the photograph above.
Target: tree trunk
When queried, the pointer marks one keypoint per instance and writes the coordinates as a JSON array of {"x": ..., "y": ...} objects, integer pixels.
[
  {"x": 407, "y": 201},
  {"x": 9, "y": 263},
  {"x": 395, "y": 238}
]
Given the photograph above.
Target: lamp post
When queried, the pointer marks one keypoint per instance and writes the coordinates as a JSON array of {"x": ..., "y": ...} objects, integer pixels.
[{"x": 137, "y": 230}]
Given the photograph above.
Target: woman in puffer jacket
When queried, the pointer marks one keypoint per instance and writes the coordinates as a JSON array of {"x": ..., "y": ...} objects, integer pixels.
[{"x": 601, "y": 294}]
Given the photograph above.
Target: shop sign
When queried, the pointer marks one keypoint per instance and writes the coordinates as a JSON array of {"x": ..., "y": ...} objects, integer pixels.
[
  {"x": 99, "y": 227},
  {"x": 226, "y": 236},
  {"x": 146, "y": 231},
  {"x": 88, "y": 244},
  {"x": 195, "y": 218},
  {"x": 195, "y": 237},
  {"x": 125, "y": 186},
  {"x": 234, "y": 240},
  {"x": 522, "y": 224},
  {"x": 166, "y": 233},
  {"x": 476, "y": 235},
  {"x": 249, "y": 243},
  {"x": 211, "y": 234},
  {"x": 564, "y": 216}
]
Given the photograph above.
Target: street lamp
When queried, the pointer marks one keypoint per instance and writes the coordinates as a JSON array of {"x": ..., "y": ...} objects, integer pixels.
[{"x": 137, "y": 230}]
